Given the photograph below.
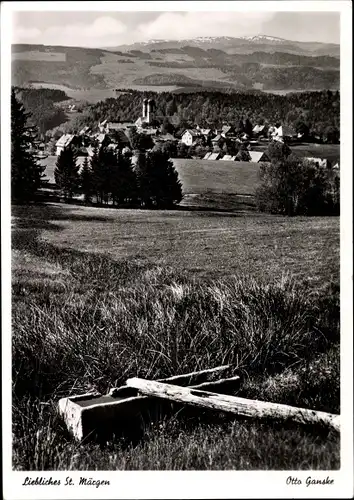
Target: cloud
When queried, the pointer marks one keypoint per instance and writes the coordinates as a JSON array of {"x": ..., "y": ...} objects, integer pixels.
[
  {"x": 25, "y": 35},
  {"x": 107, "y": 29},
  {"x": 172, "y": 25},
  {"x": 104, "y": 30}
]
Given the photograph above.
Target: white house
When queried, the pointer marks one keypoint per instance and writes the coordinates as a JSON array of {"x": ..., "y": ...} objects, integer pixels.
[
  {"x": 190, "y": 136},
  {"x": 64, "y": 141},
  {"x": 284, "y": 133}
]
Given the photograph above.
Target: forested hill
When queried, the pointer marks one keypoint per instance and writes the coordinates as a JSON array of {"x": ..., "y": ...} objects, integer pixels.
[
  {"x": 40, "y": 103},
  {"x": 318, "y": 110}
]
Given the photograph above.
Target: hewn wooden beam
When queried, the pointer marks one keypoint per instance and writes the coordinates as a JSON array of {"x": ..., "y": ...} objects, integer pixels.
[
  {"x": 93, "y": 412},
  {"x": 230, "y": 404}
]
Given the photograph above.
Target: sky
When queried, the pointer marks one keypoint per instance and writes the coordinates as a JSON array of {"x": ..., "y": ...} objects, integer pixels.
[{"x": 108, "y": 29}]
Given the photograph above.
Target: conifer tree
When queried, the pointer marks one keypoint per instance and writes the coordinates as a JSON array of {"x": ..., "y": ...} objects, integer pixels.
[
  {"x": 143, "y": 180},
  {"x": 158, "y": 181},
  {"x": 26, "y": 173},
  {"x": 108, "y": 160},
  {"x": 97, "y": 169},
  {"x": 248, "y": 127},
  {"x": 86, "y": 181},
  {"x": 66, "y": 173},
  {"x": 123, "y": 183}
]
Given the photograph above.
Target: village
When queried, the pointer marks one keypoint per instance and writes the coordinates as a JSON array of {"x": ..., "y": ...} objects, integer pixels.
[{"x": 228, "y": 143}]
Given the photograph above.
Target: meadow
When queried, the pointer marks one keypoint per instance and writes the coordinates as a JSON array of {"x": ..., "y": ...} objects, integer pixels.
[
  {"x": 201, "y": 176},
  {"x": 90, "y": 95},
  {"x": 308, "y": 149},
  {"x": 100, "y": 295},
  {"x": 35, "y": 55}
]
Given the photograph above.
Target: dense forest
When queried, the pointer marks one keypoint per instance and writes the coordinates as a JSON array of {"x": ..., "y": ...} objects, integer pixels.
[
  {"x": 41, "y": 104},
  {"x": 318, "y": 111},
  {"x": 249, "y": 75},
  {"x": 209, "y": 57}
]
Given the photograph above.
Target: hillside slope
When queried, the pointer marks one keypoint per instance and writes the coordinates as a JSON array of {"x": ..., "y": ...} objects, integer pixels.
[{"x": 263, "y": 63}]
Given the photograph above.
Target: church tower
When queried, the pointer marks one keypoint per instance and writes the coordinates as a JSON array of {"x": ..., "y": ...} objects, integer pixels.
[
  {"x": 145, "y": 108},
  {"x": 150, "y": 110}
]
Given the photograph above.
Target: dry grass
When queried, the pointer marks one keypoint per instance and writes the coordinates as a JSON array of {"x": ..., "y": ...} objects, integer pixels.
[
  {"x": 84, "y": 320},
  {"x": 204, "y": 244}
]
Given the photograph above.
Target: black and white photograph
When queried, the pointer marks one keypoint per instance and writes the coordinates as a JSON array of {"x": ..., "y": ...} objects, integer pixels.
[{"x": 176, "y": 212}]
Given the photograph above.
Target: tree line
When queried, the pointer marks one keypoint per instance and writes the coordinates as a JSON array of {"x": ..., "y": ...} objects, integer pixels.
[
  {"x": 109, "y": 177},
  {"x": 318, "y": 111}
]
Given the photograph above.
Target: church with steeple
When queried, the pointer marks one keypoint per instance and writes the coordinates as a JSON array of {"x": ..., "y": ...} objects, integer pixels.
[{"x": 148, "y": 116}]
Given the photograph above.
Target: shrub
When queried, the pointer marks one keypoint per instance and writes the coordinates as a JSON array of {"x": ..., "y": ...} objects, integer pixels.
[{"x": 291, "y": 186}]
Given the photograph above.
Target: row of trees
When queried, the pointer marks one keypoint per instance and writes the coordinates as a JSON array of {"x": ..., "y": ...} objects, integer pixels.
[{"x": 109, "y": 177}]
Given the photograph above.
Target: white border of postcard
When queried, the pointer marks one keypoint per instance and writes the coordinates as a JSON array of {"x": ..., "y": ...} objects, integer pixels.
[{"x": 210, "y": 484}]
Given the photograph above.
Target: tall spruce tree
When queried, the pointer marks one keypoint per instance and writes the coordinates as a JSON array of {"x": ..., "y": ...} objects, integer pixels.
[
  {"x": 143, "y": 180},
  {"x": 26, "y": 173},
  {"x": 98, "y": 174},
  {"x": 86, "y": 181},
  {"x": 66, "y": 173},
  {"x": 248, "y": 127},
  {"x": 159, "y": 185},
  {"x": 123, "y": 183},
  {"x": 108, "y": 160}
]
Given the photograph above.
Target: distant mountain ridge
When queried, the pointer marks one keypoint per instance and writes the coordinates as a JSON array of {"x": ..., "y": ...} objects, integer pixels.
[
  {"x": 239, "y": 45},
  {"x": 258, "y": 62}
]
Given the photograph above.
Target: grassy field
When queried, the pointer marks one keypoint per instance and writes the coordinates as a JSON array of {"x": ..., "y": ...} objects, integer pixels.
[
  {"x": 90, "y": 95},
  {"x": 309, "y": 149},
  {"x": 202, "y": 243},
  {"x": 202, "y": 176},
  {"x": 35, "y": 55},
  {"x": 100, "y": 295}
]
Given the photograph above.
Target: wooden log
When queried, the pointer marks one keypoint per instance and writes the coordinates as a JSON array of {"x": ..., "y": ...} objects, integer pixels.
[{"x": 230, "y": 404}]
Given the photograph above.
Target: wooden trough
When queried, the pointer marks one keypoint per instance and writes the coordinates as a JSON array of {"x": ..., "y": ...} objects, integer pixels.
[
  {"x": 127, "y": 406},
  {"x": 124, "y": 406}
]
